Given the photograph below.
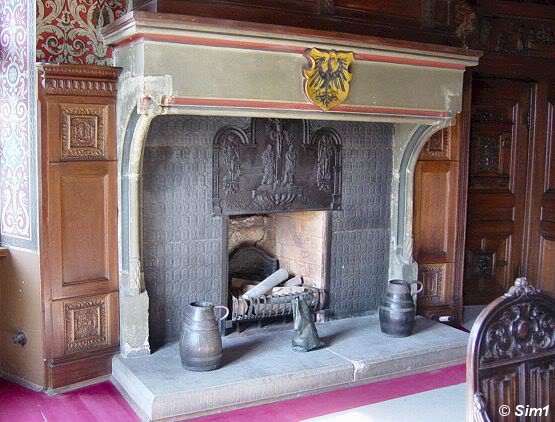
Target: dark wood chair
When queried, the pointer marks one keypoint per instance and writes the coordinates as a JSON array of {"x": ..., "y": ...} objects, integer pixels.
[{"x": 511, "y": 358}]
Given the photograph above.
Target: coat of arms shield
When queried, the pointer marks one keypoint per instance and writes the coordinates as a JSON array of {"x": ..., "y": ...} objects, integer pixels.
[{"x": 326, "y": 82}]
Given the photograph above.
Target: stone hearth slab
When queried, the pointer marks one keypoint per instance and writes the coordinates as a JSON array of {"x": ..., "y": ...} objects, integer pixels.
[{"x": 262, "y": 367}]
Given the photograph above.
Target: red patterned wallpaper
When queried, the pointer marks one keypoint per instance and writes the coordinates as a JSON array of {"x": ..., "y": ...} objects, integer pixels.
[{"x": 68, "y": 31}]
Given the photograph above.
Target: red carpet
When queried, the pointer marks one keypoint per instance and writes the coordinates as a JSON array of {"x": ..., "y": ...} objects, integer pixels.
[
  {"x": 102, "y": 402},
  {"x": 347, "y": 398}
]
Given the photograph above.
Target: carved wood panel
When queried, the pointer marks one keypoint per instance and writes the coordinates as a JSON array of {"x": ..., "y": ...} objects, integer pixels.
[
  {"x": 442, "y": 145},
  {"x": 541, "y": 377},
  {"x": 437, "y": 289},
  {"x": 495, "y": 132},
  {"x": 516, "y": 35},
  {"x": 497, "y": 183},
  {"x": 85, "y": 324},
  {"x": 83, "y": 132},
  {"x": 487, "y": 265}
]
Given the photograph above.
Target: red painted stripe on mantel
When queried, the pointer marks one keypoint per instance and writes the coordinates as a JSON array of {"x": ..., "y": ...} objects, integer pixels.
[
  {"x": 217, "y": 42},
  {"x": 282, "y": 105}
]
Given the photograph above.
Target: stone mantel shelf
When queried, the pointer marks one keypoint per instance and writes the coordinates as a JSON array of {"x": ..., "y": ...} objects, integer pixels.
[{"x": 144, "y": 23}]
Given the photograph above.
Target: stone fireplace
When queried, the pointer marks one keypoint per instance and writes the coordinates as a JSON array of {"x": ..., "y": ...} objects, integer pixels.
[{"x": 183, "y": 80}]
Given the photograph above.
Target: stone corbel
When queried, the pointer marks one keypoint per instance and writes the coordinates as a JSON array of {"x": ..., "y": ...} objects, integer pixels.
[
  {"x": 153, "y": 90},
  {"x": 142, "y": 95}
]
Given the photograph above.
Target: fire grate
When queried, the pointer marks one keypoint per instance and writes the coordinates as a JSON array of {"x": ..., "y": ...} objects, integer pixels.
[{"x": 274, "y": 305}]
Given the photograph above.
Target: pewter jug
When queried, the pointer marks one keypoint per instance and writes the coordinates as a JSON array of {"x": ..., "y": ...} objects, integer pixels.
[
  {"x": 200, "y": 345},
  {"x": 397, "y": 310}
]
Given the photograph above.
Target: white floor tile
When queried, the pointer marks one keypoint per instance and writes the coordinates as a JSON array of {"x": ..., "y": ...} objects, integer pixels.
[{"x": 440, "y": 405}]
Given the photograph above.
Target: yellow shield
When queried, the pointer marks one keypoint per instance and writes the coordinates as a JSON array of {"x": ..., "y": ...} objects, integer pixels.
[{"x": 326, "y": 82}]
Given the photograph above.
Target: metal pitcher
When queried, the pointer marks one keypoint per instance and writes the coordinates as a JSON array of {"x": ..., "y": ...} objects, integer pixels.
[
  {"x": 200, "y": 345},
  {"x": 397, "y": 310}
]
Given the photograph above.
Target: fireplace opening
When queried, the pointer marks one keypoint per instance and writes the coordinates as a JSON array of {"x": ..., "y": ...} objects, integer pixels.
[
  {"x": 199, "y": 179},
  {"x": 297, "y": 244}
]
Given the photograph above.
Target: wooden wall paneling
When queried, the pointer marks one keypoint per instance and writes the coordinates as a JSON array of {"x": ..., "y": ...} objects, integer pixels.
[
  {"x": 546, "y": 264},
  {"x": 420, "y": 20},
  {"x": 540, "y": 254},
  {"x": 436, "y": 188},
  {"x": 78, "y": 222},
  {"x": 462, "y": 201},
  {"x": 82, "y": 222},
  {"x": 497, "y": 187},
  {"x": 437, "y": 214}
]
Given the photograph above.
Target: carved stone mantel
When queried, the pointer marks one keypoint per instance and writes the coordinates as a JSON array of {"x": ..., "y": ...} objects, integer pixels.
[{"x": 199, "y": 66}]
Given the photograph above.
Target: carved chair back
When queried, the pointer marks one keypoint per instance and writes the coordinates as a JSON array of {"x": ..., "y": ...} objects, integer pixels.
[{"x": 511, "y": 357}]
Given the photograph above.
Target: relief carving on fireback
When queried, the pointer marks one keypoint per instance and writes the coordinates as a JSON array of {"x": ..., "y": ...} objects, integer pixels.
[{"x": 276, "y": 165}]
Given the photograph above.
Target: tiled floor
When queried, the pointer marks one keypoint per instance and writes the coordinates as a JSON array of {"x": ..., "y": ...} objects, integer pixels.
[
  {"x": 440, "y": 405},
  {"x": 470, "y": 313}
]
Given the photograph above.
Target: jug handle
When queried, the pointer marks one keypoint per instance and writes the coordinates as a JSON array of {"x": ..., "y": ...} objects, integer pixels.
[
  {"x": 222, "y": 307},
  {"x": 420, "y": 288}
]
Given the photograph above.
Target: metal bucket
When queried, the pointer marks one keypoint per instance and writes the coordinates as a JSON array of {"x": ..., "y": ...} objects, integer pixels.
[
  {"x": 200, "y": 345},
  {"x": 397, "y": 310}
]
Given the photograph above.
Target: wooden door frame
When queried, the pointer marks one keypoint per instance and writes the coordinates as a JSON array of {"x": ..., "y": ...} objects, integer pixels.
[{"x": 464, "y": 161}]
